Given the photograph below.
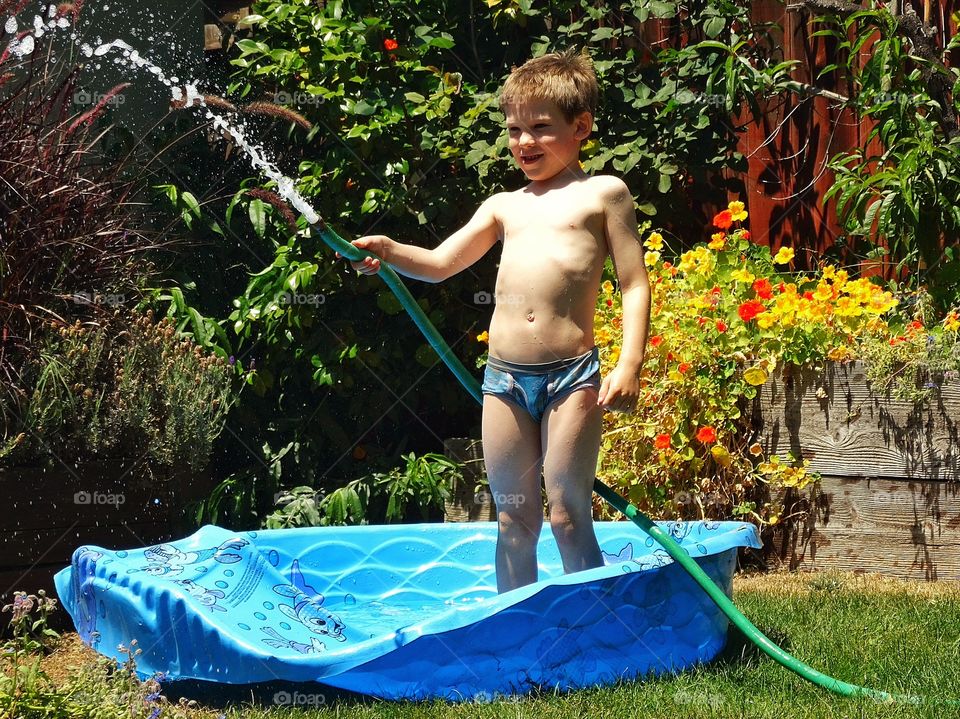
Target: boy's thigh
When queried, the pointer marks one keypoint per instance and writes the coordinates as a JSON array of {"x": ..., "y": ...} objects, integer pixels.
[
  {"x": 570, "y": 434},
  {"x": 512, "y": 453}
]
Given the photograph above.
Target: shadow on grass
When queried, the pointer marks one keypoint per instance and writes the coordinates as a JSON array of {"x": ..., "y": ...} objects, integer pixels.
[
  {"x": 293, "y": 695},
  {"x": 740, "y": 651}
]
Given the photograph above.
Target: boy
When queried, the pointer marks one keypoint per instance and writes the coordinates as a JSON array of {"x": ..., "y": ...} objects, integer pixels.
[{"x": 543, "y": 398}]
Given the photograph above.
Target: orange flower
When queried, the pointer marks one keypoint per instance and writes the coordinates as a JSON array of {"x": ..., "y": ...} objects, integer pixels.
[
  {"x": 656, "y": 341},
  {"x": 723, "y": 219},
  {"x": 662, "y": 441},
  {"x": 750, "y": 309},
  {"x": 390, "y": 44},
  {"x": 707, "y": 435},
  {"x": 763, "y": 289},
  {"x": 683, "y": 367}
]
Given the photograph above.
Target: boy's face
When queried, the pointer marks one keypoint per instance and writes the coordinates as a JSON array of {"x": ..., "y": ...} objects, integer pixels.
[{"x": 542, "y": 141}]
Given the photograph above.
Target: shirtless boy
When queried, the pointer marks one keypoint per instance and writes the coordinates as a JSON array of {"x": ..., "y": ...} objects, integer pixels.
[{"x": 543, "y": 399}]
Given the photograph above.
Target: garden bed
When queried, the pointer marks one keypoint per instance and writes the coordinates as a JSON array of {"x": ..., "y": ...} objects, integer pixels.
[{"x": 889, "y": 500}]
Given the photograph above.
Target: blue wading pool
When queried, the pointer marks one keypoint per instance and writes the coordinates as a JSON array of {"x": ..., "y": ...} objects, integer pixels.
[{"x": 403, "y": 611}]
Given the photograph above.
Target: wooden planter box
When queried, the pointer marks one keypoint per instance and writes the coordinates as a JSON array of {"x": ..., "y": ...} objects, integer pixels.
[
  {"x": 889, "y": 500},
  {"x": 48, "y": 513},
  {"x": 467, "y": 503}
]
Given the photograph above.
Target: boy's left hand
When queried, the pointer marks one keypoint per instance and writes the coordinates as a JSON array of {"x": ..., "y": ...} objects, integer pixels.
[{"x": 619, "y": 390}]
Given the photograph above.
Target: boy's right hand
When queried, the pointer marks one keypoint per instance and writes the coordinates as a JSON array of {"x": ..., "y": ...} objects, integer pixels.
[{"x": 377, "y": 244}]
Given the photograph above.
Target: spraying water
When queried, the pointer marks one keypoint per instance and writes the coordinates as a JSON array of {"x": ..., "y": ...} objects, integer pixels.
[{"x": 188, "y": 95}]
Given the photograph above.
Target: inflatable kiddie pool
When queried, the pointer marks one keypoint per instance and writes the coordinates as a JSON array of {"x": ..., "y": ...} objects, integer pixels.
[{"x": 403, "y": 611}]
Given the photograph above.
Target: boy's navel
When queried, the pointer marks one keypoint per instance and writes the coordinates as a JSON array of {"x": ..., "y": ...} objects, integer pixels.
[{"x": 530, "y": 317}]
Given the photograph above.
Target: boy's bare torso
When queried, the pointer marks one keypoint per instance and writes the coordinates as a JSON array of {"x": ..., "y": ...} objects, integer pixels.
[{"x": 554, "y": 246}]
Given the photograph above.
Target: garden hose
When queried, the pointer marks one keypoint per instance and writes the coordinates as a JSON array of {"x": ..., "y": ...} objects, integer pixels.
[{"x": 679, "y": 555}]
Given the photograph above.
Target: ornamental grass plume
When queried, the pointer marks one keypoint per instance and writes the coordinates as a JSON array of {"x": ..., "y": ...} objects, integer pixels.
[
  {"x": 277, "y": 202},
  {"x": 269, "y": 109}
]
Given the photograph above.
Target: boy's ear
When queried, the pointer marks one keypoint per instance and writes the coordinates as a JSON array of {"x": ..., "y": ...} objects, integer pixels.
[{"x": 584, "y": 123}]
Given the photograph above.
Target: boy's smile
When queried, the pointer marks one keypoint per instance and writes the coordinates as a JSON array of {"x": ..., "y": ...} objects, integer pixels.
[{"x": 542, "y": 141}]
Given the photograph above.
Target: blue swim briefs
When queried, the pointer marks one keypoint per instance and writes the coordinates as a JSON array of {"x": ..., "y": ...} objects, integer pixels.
[{"x": 536, "y": 386}]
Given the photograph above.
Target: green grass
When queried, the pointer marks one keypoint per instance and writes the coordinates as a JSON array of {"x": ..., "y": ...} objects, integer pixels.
[{"x": 901, "y": 637}]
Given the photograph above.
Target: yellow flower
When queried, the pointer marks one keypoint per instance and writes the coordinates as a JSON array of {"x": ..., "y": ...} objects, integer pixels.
[
  {"x": 952, "y": 321},
  {"x": 783, "y": 256},
  {"x": 602, "y": 336},
  {"x": 717, "y": 241},
  {"x": 304, "y": 50},
  {"x": 607, "y": 287},
  {"x": 483, "y": 337},
  {"x": 614, "y": 355},
  {"x": 738, "y": 210},
  {"x": 840, "y": 353},
  {"x": 765, "y": 320},
  {"x": 654, "y": 241},
  {"x": 651, "y": 258},
  {"x": 829, "y": 271},
  {"x": 742, "y": 275}
]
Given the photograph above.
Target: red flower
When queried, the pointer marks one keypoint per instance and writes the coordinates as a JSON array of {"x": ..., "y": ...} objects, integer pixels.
[
  {"x": 656, "y": 340},
  {"x": 916, "y": 325},
  {"x": 723, "y": 219},
  {"x": 721, "y": 326},
  {"x": 390, "y": 44},
  {"x": 707, "y": 435},
  {"x": 683, "y": 367},
  {"x": 763, "y": 289},
  {"x": 808, "y": 295},
  {"x": 702, "y": 321},
  {"x": 609, "y": 303},
  {"x": 662, "y": 441},
  {"x": 750, "y": 309},
  {"x": 745, "y": 234},
  {"x": 781, "y": 288}
]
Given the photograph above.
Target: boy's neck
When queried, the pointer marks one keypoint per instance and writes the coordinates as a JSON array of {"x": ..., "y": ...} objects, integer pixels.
[{"x": 571, "y": 173}]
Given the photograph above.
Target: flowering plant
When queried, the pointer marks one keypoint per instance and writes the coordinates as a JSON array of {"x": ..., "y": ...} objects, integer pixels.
[{"x": 722, "y": 318}]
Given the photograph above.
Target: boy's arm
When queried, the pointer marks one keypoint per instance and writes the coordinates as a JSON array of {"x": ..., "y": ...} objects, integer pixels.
[
  {"x": 456, "y": 253},
  {"x": 621, "y": 388}
]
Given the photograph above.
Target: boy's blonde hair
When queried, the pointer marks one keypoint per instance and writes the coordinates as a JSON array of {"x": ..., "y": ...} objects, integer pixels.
[{"x": 567, "y": 79}]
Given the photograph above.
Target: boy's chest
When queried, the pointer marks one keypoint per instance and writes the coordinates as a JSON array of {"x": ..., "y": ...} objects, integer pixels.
[
  {"x": 563, "y": 214},
  {"x": 562, "y": 234}
]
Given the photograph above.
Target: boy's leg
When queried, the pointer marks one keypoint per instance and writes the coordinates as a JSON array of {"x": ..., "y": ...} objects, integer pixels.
[
  {"x": 513, "y": 460},
  {"x": 571, "y": 433}
]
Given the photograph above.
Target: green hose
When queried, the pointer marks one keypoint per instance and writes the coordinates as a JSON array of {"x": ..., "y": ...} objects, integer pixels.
[{"x": 678, "y": 553}]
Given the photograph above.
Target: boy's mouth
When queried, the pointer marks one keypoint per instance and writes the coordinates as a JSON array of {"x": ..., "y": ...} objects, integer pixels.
[{"x": 530, "y": 159}]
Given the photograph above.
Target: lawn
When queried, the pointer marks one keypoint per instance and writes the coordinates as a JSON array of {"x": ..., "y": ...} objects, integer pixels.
[{"x": 902, "y": 637}]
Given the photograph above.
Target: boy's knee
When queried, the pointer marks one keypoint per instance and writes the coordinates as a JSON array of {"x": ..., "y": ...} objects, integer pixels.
[
  {"x": 563, "y": 522},
  {"x": 519, "y": 521}
]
